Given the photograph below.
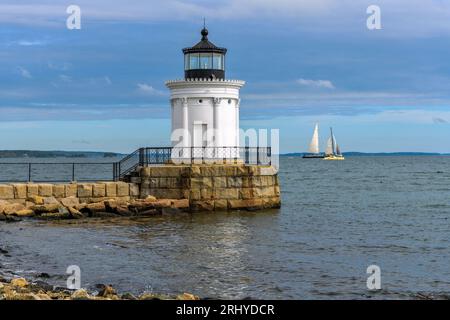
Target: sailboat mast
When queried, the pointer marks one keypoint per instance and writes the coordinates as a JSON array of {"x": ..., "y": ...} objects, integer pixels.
[{"x": 332, "y": 141}]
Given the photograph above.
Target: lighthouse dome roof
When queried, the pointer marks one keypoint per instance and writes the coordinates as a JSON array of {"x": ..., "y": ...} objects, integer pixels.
[{"x": 204, "y": 45}]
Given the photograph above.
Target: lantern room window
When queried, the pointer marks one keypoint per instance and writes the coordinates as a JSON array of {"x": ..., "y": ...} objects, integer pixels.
[
  {"x": 205, "y": 60},
  {"x": 218, "y": 61}
]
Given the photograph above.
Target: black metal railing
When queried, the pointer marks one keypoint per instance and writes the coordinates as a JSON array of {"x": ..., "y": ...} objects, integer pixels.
[
  {"x": 114, "y": 171},
  {"x": 56, "y": 172},
  {"x": 192, "y": 155}
]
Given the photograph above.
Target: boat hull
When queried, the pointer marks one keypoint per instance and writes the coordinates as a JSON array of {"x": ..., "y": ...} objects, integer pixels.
[
  {"x": 334, "y": 157},
  {"x": 313, "y": 156}
]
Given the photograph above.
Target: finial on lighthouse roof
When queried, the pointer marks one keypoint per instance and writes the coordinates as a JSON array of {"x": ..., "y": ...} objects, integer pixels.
[
  {"x": 204, "y": 34},
  {"x": 204, "y": 31}
]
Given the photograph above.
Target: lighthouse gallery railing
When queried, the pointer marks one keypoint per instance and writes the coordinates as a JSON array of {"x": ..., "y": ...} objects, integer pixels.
[{"x": 192, "y": 155}]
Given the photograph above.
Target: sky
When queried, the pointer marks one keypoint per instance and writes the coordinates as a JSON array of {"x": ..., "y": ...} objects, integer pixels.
[{"x": 101, "y": 88}]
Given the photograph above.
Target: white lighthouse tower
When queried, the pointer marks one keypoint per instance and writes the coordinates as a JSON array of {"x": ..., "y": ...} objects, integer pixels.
[{"x": 205, "y": 106}]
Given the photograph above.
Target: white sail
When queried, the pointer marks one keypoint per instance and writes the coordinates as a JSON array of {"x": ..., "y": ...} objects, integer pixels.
[
  {"x": 329, "y": 149},
  {"x": 314, "y": 146}
]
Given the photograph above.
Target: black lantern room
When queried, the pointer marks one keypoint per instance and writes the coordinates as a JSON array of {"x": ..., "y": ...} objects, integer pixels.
[{"x": 204, "y": 60}]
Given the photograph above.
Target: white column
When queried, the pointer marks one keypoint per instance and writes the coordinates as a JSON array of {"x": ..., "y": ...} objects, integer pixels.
[
  {"x": 185, "y": 124},
  {"x": 217, "y": 129},
  {"x": 238, "y": 102}
]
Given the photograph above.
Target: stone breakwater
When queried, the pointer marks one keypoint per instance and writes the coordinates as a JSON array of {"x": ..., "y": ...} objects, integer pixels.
[
  {"x": 21, "y": 289},
  {"x": 150, "y": 191},
  {"x": 80, "y": 200},
  {"x": 212, "y": 187}
]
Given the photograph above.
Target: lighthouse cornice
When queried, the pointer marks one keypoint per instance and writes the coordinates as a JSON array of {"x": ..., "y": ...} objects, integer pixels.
[{"x": 203, "y": 82}]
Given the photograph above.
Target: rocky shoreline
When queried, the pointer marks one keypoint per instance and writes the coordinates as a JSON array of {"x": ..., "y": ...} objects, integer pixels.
[
  {"x": 50, "y": 208},
  {"x": 21, "y": 289}
]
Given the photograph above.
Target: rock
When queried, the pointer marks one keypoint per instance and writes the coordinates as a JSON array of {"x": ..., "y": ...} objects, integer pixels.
[
  {"x": 187, "y": 296},
  {"x": 50, "y": 200},
  {"x": 128, "y": 296},
  {"x": 23, "y": 296},
  {"x": 98, "y": 190},
  {"x": 45, "y": 189},
  {"x": 106, "y": 291},
  {"x": 20, "y": 191},
  {"x": 2, "y": 217},
  {"x": 19, "y": 282},
  {"x": 43, "y": 296},
  {"x": 150, "y": 199},
  {"x": 123, "y": 211},
  {"x": 149, "y": 296},
  {"x": 46, "y": 208},
  {"x": 25, "y": 213},
  {"x": 180, "y": 204},
  {"x": 84, "y": 191},
  {"x": 80, "y": 294},
  {"x": 141, "y": 206},
  {"x": 6, "y": 192},
  {"x": 75, "y": 214},
  {"x": 70, "y": 202},
  {"x": 111, "y": 205},
  {"x": 59, "y": 191},
  {"x": 36, "y": 199},
  {"x": 96, "y": 207},
  {"x": 162, "y": 203},
  {"x": 123, "y": 189},
  {"x": 13, "y": 208},
  {"x": 41, "y": 285},
  {"x": 44, "y": 275}
]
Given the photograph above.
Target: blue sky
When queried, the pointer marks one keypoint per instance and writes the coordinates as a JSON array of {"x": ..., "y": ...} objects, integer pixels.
[{"x": 102, "y": 87}]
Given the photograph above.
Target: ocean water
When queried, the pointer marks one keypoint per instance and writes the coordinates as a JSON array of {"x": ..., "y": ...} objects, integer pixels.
[{"x": 337, "y": 218}]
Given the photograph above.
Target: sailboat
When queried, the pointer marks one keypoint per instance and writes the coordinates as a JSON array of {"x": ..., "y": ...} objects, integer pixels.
[
  {"x": 333, "y": 152},
  {"x": 314, "y": 151}
]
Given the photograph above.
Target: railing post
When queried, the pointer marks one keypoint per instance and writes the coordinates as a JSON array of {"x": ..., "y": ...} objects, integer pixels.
[
  {"x": 247, "y": 155},
  {"x": 203, "y": 154},
  {"x": 29, "y": 172},
  {"x": 257, "y": 155},
  {"x": 73, "y": 171},
  {"x": 269, "y": 153},
  {"x": 141, "y": 157}
]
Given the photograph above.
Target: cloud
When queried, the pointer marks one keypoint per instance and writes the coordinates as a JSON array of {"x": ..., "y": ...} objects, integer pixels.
[
  {"x": 316, "y": 83},
  {"x": 64, "y": 66},
  {"x": 65, "y": 78},
  {"x": 104, "y": 81},
  {"x": 438, "y": 120},
  {"x": 409, "y": 18},
  {"x": 147, "y": 89},
  {"x": 30, "y": 43},
  {"x": 24, "y": 72}
]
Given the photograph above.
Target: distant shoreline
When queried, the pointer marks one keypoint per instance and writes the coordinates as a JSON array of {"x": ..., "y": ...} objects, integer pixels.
[
  {"x": 56, "y": 154},
  {"x": 376, "y": 154},
  {"x": 102, "y": 154}
]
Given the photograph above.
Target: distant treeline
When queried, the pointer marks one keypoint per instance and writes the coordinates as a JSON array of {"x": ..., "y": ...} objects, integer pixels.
[
  {"x": 55, "y": 154},
  {"x": 376, "y": 154}
]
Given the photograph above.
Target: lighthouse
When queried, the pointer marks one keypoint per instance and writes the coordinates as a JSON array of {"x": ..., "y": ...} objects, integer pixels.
[{"x": 205, "y": 106}]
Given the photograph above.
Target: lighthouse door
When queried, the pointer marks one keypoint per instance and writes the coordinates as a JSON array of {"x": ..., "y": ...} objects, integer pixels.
[{"x": 200, "y": 139}]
